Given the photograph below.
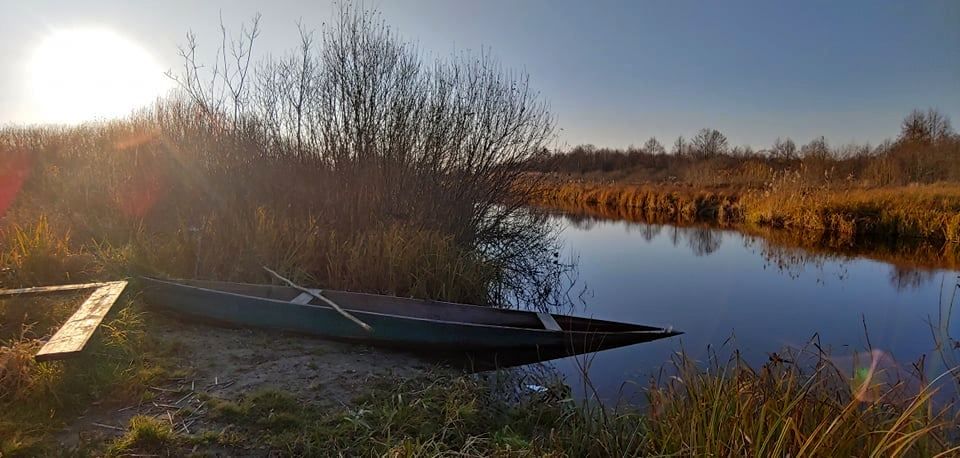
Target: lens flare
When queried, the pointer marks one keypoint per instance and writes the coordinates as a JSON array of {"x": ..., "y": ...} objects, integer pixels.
[
  {"x": 14, "y": 170},
  {"x": 871, "y": 378}
]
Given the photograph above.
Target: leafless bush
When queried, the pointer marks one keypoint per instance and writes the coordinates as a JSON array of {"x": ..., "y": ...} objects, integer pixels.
[
  {"x": 709, "y": 143},
  {"x": 428, "y": 141},
  {"x": 392, "y": 136},
  {"x": 930, "y": 126}
]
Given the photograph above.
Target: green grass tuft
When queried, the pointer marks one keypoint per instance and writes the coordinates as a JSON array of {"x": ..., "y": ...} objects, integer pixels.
[{"x": 145, "y": 434}]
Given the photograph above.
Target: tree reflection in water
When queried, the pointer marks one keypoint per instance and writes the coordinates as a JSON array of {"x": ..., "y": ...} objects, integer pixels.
[
  {"x": 906, "y": 278},
  {"x": 703, "y": 240},
  {"x": 912, "y": 265}
]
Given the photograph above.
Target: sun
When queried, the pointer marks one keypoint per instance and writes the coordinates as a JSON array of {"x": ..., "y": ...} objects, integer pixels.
[{"x": 91, "y": 73}]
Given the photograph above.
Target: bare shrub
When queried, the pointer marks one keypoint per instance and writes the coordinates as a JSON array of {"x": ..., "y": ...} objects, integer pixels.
[
  {"x": 929, "y": 126},
  {"x": 709, "y": 143},
  {"x": 351, "y": 145}
]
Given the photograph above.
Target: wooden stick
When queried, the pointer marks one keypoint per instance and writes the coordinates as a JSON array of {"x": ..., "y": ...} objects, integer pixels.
[
  {"x": 117, "y": 428},
  {"x": 49, "y": 289},
  {"x": 336, "y": 307}
]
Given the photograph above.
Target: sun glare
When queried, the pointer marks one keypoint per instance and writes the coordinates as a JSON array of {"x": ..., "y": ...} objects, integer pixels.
[{"x": 84, "y": 74}]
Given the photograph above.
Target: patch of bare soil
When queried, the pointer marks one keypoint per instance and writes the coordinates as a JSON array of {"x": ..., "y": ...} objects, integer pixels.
[{"x": 229, "y": 363}]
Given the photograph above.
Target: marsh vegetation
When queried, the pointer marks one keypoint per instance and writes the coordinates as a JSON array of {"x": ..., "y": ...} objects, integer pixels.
[
  {"x": 356, "y": 163},
  {"x": 902, "y": 190}
]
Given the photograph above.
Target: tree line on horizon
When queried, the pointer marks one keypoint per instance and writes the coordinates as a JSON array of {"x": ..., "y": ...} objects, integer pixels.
[{"x": 926, "y": 150}]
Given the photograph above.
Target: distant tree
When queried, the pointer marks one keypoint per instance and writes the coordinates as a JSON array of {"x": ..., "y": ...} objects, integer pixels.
[
  {"x": 742, "y": 151},
  {"x": 653, "y": 146},
  {"x": 783, "y": 149},
  {"x": 709, "y": 143},
  {"x": 853, "y": 151},
  {"x": 816, "y": 149},
  {"x": 680, "y": 147},
  {"x": 818, "y": 164},
  {"x": 929, "y": 126}
]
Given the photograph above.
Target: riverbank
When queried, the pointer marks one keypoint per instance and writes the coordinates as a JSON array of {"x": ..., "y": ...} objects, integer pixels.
[
  {"x": 766, "y": 413},
  {"x": 781, "y": 407},
  {"x": 840, "y": 215},
  {"x": 151, "y": 385},
  {"x": 907, "y": 254}
]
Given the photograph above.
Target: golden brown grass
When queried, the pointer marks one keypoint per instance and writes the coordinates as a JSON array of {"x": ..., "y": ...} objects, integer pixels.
[
  {"x": 783, "y": 410},
  {"x": 929, "y": 212},
  {"x": 110, "y": 201},
  {"x": 667, "y": 203},
  {"x": 844, "y": 214},
  {"x": 37, "y": 399}
]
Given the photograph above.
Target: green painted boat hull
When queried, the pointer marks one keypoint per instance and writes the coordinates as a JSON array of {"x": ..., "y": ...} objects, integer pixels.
[{"x": 396, "y": 322}]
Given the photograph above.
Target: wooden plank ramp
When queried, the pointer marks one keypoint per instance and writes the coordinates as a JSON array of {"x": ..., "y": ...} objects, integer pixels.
[
  {"x": 49, "y": 289},
  {"x": 75, "y": 333}
]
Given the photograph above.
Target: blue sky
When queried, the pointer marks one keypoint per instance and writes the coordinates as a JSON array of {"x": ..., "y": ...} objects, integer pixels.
[{"x": 615, "y": 73}]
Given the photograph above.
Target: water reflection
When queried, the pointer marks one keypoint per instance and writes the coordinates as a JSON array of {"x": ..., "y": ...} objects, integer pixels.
[
  {"x": 768, "y": 291},
  {"x": 704, "y": 241},
  {"x": 792, "y": 261},
  {"x": 905, "y": 278},
  {"x": 650, "y": 231}
]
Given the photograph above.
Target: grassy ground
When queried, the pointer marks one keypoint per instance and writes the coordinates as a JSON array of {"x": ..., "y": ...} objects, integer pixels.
[
  {"x": 798, "y": 404},
  {"x": 774, "y": 411},
  {"x": 38, "y": 399}
]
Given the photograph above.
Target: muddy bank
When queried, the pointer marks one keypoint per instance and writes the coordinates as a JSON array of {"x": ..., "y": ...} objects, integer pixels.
[{"x": 216, "y": 363}]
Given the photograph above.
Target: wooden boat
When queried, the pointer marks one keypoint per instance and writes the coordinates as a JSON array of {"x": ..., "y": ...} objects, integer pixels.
[{"x": 397, "y": 322}]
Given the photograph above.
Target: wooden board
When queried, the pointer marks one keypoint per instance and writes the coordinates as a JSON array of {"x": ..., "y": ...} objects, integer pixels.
[
  {"x": 49, "y": 289},
  {"x": 75, "y": 333},
  {"x": 305, "y": 298},
  {"x": 548, "y": 321}
]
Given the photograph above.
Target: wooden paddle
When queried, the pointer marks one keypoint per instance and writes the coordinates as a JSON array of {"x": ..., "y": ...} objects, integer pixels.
[{"x": 320, "y": 296}]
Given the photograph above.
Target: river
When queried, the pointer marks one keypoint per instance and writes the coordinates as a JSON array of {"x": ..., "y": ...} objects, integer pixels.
[{"x": 727, "y": 290}]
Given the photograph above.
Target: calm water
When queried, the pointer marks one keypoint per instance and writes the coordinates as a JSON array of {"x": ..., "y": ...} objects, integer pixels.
[{"x": 713, "y": 284}]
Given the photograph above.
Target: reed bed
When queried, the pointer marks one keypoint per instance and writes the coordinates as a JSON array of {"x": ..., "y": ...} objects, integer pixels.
[{"x": 844, "y": 215}]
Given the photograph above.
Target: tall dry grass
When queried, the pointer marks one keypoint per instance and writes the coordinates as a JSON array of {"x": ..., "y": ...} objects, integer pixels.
[
  {"x": 404, "y": 190},
  {"x": 387, "y": 173},
  {"x": 929, "y": 212},
  {"x": 902, "y": 189},
  {"x": 784, "y": 408},
  {"x": 838, "y": 216}
]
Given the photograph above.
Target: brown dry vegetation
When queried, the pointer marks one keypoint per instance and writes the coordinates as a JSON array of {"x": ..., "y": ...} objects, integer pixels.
[
  {"x": 926, "y": 151},
  {"x": 904, "y": 190},
  {"x": 401, "y": 191},
  {"x": 928, "y": 212},
  {"x": 355, "y": 165}
]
